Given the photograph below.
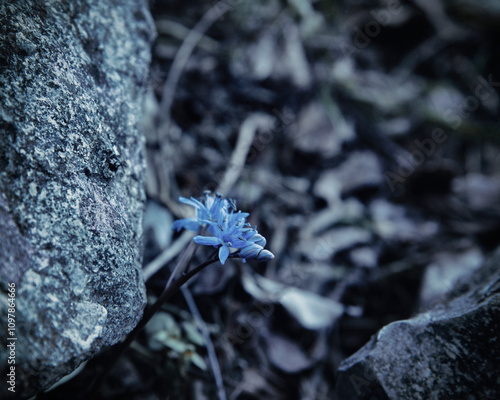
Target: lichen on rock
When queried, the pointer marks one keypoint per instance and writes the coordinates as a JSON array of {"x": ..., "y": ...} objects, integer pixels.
[{"x": 71, "y": 178}]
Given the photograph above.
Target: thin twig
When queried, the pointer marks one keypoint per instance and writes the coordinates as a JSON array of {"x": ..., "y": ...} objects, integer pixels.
[
  {"x": 167, "y": 255},
  {"x": 246, "y": 136},
  {"x": 419, "y": 54},
  {"x": 181, "y": 58},
  {"x": 175, "y": 29},
  {"x": 184, "y": 261},
  {"x": 212, "y": 356}
]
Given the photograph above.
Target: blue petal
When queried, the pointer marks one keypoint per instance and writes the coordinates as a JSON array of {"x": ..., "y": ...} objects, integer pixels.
[
  {"x": 223, "y": 254},
  {"x": 186, "y": 223},
  {"x": 242, "y": 215},
  {"x": 237, "y": 243},
  {"x": 209, "y": 200},
  {"x": 207, "y": 240},
  {"x": 214, "y": 230},
  {"x": 213, "y": 227},
  {"x": 214, "y": 205},
  {"x": 191, "y": 202}
]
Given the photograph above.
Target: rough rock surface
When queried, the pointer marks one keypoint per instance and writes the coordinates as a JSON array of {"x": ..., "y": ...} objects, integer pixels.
[
  {"x": 71, "y": 179},
  {"x": 449, "y": 352}
]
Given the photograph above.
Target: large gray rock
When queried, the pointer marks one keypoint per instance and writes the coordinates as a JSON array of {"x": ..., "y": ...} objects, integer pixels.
[
  {"x": 71, "y": 180},
  {"x": 449, "y": 352}
]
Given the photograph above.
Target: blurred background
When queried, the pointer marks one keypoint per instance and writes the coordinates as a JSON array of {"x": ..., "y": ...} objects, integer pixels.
[{"x": 363, "y": 138}]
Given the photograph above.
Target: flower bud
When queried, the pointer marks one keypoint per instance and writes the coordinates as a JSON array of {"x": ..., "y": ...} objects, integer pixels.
[
  {"x": 251, "y": 251},
  {"x": 258, "y": 239},
  {"x": 265, "y": 255}
]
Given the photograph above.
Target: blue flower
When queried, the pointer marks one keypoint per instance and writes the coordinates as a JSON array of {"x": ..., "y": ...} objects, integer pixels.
[
  {"x": 228, "y": 227},
  {"x": 208, "y": 211}
]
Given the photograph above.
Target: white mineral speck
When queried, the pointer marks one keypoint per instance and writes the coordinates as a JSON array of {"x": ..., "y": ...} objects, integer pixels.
[{"x": 33, "y": 190}]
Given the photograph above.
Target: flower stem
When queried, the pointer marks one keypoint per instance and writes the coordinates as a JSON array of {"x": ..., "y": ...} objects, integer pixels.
[{"x": 148, "y": 314}]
